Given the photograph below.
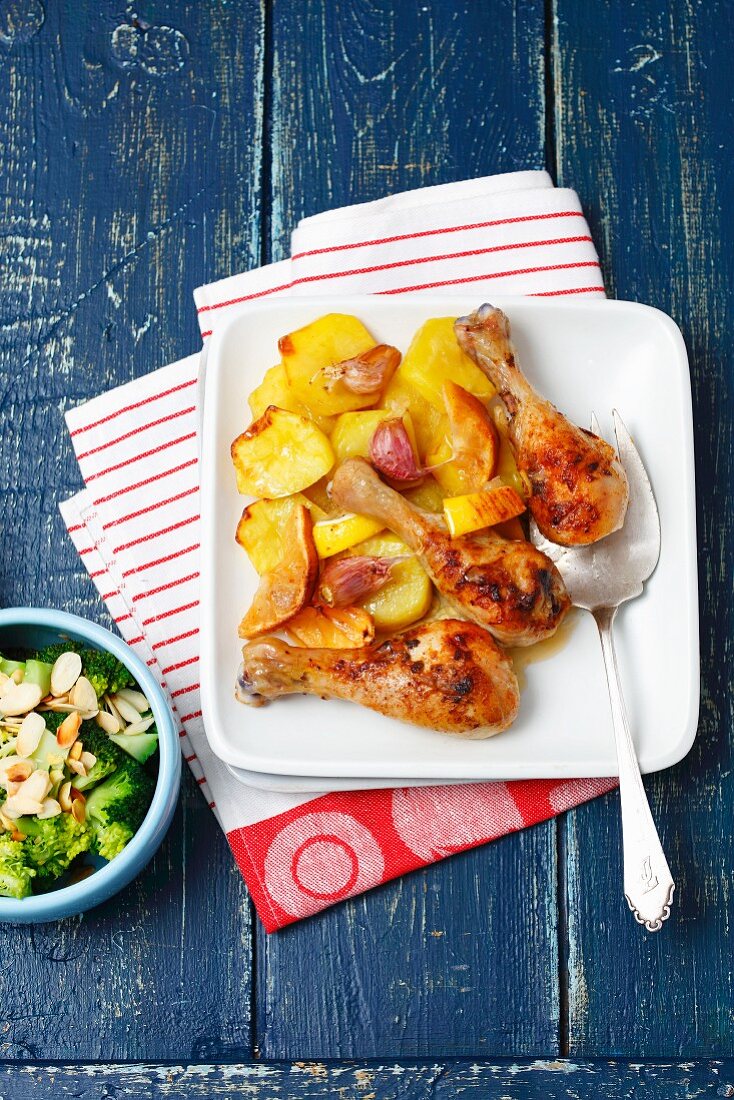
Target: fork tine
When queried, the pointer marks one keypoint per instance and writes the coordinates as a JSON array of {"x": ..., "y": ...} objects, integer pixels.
[{"x": 595, "y": 425}]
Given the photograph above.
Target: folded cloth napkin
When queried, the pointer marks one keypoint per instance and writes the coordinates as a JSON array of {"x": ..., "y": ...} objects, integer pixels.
[{"x": 136, "y": 527}]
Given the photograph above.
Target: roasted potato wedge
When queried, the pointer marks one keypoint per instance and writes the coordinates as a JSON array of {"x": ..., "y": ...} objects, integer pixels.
[
  {"x": 262, "y": 526},
  {"x": 318, "y": 494},
  {"x": 470, "y": 461},
  {"x": 280, "y": 454},
  {"x": 434, "y": 356},
  {"x": 483, "y": 509},
  {"x": 408, "y": 594},
  {"x": 353, "y": 431},
  {"x": 309, "y": 352},
  {"x": 287, "y": 588},
  {"x": 331, "y": 536},
  {"x": 506, "y": 468},
  {"x": 332, "y": 627},
  {"x": 429, "y": 495},
  {"x": 275, "y": 390},
  {"x": 430, "y": 421}
]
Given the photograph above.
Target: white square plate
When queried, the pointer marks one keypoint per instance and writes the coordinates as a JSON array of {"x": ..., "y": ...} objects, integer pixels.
[{"x": 584, "y": 356}]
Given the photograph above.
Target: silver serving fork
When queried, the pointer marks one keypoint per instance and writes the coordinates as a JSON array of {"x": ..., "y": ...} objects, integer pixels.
[{"x": 599, "y": 578}]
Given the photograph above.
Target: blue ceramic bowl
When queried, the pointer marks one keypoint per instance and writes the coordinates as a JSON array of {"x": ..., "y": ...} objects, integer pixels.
[{"x": 33, "y": 628}]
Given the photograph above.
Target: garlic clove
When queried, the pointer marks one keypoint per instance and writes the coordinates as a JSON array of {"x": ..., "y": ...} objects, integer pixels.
[
  {"x": 391, "y": 451},
  {"x": 347, "y": 581},
  {"x": 367, "y": 373}
]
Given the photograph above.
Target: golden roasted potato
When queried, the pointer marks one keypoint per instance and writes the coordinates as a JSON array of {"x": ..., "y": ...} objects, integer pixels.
[
  {"x": 331, "y": 536},
  {"x": 332, "y": 627},
  {"x": 506, "y": 468},
  {"x": 309, "y": 352},
  {"x": 483, "y": 509},
  {"x": 353, "y": 431},
  {"x": 275, "y": 390},
  {"x": 469, "y": 462},
  {"x": 429, "y": 495},
  {"x": 318, "y": 494},
  {"x": 287, "y": 588},
  {"x": 430, "y": 421},
  {"x": 280, "y": 454},
  {"x": 435, "y": 356},
  {"x": 262, "y": 527},
  {"x": 408, "y": 594}
]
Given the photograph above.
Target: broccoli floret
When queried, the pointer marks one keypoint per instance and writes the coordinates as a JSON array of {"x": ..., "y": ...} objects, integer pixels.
[
  {"x": 51, "y": 653},
  {"x": 53, "y": 843},
  {"x": 15, "y": 873},
  {"x": 116, "y": 808},
  {"x": 104, "y": 672},
  {"x": 109, "y": 756},
  {"x": 53, "y": 719}
]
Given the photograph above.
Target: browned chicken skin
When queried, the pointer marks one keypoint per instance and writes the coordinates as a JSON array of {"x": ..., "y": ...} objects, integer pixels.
[
  {"x": 579, "y": 489},
  {"x": 510, "y": 588},
  {"x": 447, "y": 675}
]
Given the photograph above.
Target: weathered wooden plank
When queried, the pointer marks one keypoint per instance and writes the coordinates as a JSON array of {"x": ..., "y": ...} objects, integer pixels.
[
  {"x": 371, "y": 97},
  {"x": 539, "y": 1080},
  {"x": 642, "y": 110},
  {"x": 368, "y": 98},
  {"x": 131, "y": 157}
]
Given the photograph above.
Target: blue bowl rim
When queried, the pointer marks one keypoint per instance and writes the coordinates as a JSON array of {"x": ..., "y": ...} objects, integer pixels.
[{"x": 107, "y": 880}]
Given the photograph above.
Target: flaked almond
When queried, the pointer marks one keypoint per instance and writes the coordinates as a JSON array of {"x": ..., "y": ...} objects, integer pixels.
[
  {"x": 17, "y": 835},
  {"x": 68, "y": 731},
  {"x": 135, "y": 699},
  {"x": 19, "y": 699},
  {"x": 125, "y": 709},
  {"x": 109, "y": 703},
  {"x": 77, "y": 794},
  {"x": 10, "y": 788},
  {"x": 347, "y": 581},
  {"x": 108, "y": 722},
  {"x": 30, "y": 733},
  {"x": 56, "y": 776},
  {"x": 391, "y": 451},
  {"x": 78, "y": 812},
  {"x": 88, "y": 759},
  {"x": 19, "y": 805},
  {"x": 141, "y": 726},
  {"x": 36, "y": 786},
  {"x": 7, "y": 823},
  {"x": 19, "y": 772},
  {"x": 83, "y": 696},
  {"x": 49, "y": 808},
  {"x": 76, "y": 767},
  {"x": 64, "y": 796},
  {"x": 17, "y": 675},
  {"x": 62, "y": 707},
  {"x": 75, "y": 752},
  {"x": 65, "y": 673}
]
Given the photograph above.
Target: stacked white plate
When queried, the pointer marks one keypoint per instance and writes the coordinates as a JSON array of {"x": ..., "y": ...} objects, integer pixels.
[{"x": 585, "y": 356}]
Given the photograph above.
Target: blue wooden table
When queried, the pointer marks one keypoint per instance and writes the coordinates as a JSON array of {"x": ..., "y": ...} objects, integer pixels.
[{"x": 151, "y": 147}]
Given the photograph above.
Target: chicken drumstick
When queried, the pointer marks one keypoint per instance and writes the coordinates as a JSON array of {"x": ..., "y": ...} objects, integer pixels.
[
  {"x": 510, "y": 588},
  {"x": 447, "y": 675},
  {"x": 579, "y": 489}
]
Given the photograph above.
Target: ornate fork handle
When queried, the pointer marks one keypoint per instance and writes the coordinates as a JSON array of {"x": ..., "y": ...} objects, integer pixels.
[{"x": 648, "y": 883}]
